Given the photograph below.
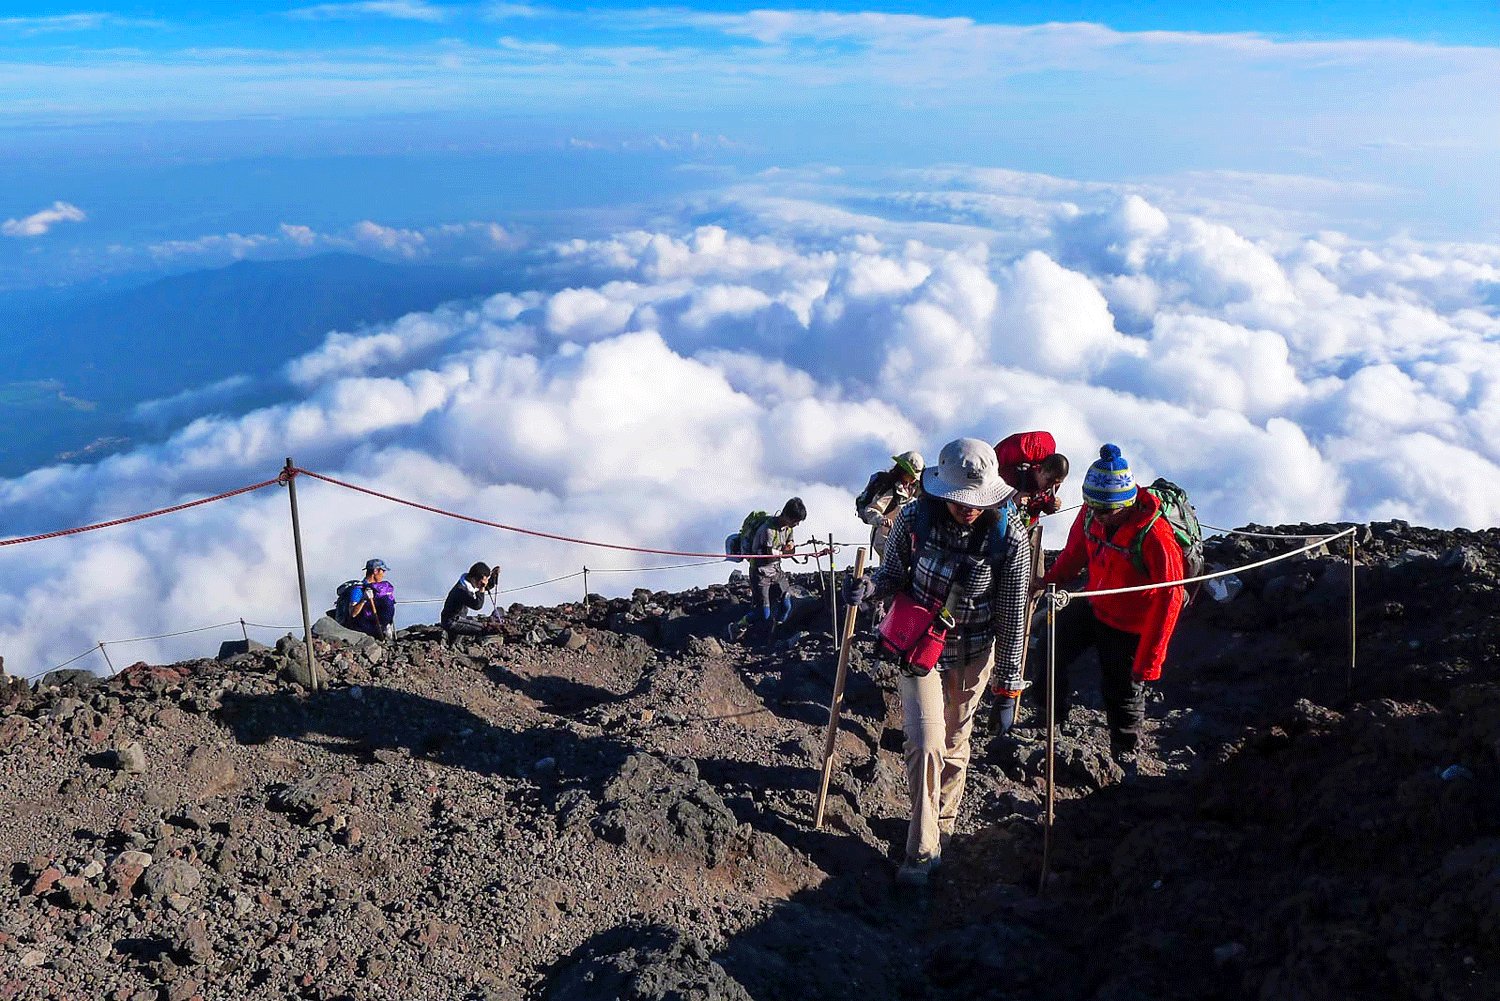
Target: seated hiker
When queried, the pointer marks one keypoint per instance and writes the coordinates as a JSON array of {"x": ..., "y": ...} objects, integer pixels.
[
  {"x": 1121, "y": 538},
  {"x": 885, "y": 495},
  {"x": 1031, "y": 464},
  {"x": 468, "y": 594},
  {"x": 958, "y": 551},
  {"x": 372, "y": 603},
  {"x": 772, "y": 540}
]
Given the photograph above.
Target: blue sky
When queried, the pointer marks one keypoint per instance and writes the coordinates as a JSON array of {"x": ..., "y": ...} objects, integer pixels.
[{"x": 175, "y": 122}]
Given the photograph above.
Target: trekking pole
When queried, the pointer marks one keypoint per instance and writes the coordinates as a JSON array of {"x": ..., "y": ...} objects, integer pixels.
[
  {"x": 1037, "y": 556},
  {"x": 837, "y": 704},
  {"x": 1349, "y": 685},
  {"x": 1049, "y": 816}
]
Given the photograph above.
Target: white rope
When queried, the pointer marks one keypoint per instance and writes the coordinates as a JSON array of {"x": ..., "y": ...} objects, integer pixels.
[{"x": 1322, "y": 541}]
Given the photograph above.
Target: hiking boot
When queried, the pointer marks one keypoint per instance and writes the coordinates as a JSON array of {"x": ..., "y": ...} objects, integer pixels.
[
  {"x": 735, "y": 631},
  {"x": 1130, "y": 764},
  {"x": 917, "y": 872}
]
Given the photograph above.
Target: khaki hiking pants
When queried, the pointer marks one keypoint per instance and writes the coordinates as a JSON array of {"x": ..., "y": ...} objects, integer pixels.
[{"x": 937, "y": 714}]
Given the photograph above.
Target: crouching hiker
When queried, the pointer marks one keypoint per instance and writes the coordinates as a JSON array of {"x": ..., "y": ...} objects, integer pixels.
[
  {"x": 886, "y": 493},
  {"x": 1032, "y": 465},
  {"x": 1122, "y": 539},
  {"x": 468, "y": 594},
  {"x": 369, "y": 605},
  {"x": 772, "y": 540},
  {"x": 957, "y": 567}
]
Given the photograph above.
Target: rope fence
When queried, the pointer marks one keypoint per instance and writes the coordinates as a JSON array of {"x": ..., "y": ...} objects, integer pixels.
[
  {"x": 809, "y": 550},
  {"x": 139, "y": 517}
]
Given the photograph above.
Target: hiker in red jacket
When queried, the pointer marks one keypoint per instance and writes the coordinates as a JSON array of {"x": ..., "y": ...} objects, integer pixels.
[
  {"x": 1031, "y": 464},
  {"x": 1121, "y": 539}
]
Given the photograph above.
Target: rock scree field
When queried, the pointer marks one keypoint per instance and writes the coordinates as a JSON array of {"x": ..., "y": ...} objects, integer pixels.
[{"x": 608, "y": 801}]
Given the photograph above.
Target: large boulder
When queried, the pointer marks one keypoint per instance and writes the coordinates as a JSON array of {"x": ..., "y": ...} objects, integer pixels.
[
  {"x": 660, "y": 807},
  {"x": 650, "y": 963},
  {"x": 327, "y": 629}
]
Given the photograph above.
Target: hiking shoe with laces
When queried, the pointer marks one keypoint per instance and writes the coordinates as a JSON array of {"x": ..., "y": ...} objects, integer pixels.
[{"x": 917, "y": 872}]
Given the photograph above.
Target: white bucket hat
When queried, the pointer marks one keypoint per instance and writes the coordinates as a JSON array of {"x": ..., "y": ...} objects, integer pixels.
[{"x": 966, "y": 473}]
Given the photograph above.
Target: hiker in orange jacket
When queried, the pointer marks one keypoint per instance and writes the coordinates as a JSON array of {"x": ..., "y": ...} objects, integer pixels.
[{"x": 1122, "y": 540}]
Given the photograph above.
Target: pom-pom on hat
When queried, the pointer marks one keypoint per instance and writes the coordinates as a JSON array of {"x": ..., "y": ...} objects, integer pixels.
[{"x": 1109, "y": 485}]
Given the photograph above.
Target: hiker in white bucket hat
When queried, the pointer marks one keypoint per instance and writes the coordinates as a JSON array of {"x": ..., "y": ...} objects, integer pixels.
[{"x": 959, "y": 550}]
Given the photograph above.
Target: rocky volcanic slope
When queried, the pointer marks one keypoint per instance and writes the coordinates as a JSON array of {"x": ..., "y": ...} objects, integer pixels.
[{"x": 610, "y": 804}]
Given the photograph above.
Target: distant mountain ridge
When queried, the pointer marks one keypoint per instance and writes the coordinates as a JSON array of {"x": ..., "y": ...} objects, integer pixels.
[{"x": 119, "y": 349}]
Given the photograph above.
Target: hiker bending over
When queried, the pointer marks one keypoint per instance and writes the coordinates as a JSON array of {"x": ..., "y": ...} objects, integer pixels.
[
  {"x": 958, "y": 549},
  {"x": 1123, "y": 541},
  {"x": 883, "y": 497},
  {"x": 372, "y": 603},
  {"x": 468, "y": 595},
  {"x": 1032, "y": 465},
  {"x": 768, "y": 583}
]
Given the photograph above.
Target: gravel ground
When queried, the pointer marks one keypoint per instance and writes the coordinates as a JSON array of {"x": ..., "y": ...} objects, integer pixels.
[{"x": 610, "y": 801}]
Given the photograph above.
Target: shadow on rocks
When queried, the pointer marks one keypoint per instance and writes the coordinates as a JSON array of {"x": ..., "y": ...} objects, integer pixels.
[
  {"x": 559, "y": 696},
  {"x": 384, "y": 719}
]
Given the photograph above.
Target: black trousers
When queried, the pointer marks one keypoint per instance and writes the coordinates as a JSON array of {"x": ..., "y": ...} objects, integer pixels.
[{"x": 1124, "y": 698}]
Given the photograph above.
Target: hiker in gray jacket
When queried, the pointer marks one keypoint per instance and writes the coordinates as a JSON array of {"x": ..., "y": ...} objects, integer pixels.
[
  {"x": 883, "y": 497},
  {"x": 768, "y": 583}
]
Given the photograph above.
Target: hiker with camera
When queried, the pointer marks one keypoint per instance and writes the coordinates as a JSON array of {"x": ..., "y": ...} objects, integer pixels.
[
  {"x": 771, "y": 540},
  {"x": 957, "y": 568},
  {"x": 886, "y": 493},
  {"x": 1124, "y": 537},
  {"x": 468, "y": 595}
]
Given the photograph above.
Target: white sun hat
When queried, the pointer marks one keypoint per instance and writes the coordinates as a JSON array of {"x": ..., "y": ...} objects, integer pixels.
[{"x": 966, "y": 473}]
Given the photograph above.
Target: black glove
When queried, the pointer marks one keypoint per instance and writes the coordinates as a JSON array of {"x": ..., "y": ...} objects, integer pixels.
[
  {"x": 1003, "y": 712},
  {"x": 857, "y": 592}
]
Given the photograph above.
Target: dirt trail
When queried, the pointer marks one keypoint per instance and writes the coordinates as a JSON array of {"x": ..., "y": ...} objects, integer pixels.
[{"x": 612, "y": 802}]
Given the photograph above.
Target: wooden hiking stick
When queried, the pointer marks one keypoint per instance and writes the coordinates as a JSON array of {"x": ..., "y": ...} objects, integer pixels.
[
  {"x": 1049, "y": 817},
  {"x": 837, "y": 705}
]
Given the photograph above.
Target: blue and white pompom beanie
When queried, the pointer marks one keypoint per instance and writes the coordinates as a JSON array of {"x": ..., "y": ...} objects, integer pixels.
[{"x": 1109, "y": 485}]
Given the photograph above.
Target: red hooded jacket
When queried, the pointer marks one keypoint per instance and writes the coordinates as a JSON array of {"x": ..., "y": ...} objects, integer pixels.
[{"x": 1150, "y": 614}]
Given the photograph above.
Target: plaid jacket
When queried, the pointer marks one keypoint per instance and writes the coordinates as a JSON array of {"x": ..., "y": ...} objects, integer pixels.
[{"x": 990, "y": 607}]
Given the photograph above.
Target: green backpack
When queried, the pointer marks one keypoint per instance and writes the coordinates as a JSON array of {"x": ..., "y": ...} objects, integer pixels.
[
  {"x": 1179, "y": 512},
  {"x": 736, "y": 545}
]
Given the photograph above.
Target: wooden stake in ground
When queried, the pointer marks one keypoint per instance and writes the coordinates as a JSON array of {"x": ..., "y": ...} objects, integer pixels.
[{"x": 837, "y": 705}]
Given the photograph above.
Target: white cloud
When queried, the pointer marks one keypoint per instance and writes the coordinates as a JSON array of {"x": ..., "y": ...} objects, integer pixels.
[
  {"x": 464, "y": 241},
  {"x": 401, "y": 10},
  {"x": 38, "y": 223},
  {"x": 656, "y": 384}
]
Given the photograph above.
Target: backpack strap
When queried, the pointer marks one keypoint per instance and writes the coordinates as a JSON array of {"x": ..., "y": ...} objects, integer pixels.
[{"x": 1135, "y": 550}]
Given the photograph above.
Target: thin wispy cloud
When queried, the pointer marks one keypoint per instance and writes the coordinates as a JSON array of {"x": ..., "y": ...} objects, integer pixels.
[
  {"x": 47, "y": 24},
  {"x": 401, "y": 10},
  {"x": 39, "y": 223}
]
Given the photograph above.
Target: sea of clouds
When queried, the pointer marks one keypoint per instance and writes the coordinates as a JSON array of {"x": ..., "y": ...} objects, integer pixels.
[{"x": 786, "y": 336}]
